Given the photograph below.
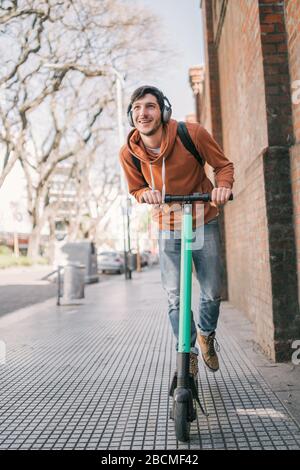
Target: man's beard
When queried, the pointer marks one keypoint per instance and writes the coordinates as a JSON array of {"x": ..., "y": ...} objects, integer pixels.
[{"x": 152, "y": 131}]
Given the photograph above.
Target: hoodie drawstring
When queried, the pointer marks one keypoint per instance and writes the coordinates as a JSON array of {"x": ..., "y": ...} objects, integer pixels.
[
  {"x": 163, "y": 177},
  {"x": 152, "y": 178}
]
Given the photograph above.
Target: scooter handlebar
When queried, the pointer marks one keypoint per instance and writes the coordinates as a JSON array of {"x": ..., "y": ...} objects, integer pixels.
[{"x": 205, "y": 197}]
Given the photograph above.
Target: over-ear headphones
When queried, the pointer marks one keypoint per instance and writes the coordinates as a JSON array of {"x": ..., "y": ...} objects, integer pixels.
[{"x": 164, "y": 104}]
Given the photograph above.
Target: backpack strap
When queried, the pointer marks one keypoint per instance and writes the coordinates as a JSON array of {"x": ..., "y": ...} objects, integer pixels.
[
  {"x": 188, "y": 143},
  {"x": 137, "y": 164}
]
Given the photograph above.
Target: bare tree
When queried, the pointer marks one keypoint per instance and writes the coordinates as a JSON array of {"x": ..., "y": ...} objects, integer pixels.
[
  {"x": 61, "y": 113},
  {"x": 68, "y": 143}
]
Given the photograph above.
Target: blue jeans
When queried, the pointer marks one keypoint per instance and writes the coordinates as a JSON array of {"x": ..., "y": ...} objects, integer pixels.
[{"x": 208, "y": 267}]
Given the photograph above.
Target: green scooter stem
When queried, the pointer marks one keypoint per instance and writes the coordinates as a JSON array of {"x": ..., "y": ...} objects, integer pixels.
[{"x": 184, "y": 339}]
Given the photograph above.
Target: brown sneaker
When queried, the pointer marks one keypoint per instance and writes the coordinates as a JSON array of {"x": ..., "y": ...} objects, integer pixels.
[
  {"x": 209, "y": 354},
  {"x": 193, "y": 364}
]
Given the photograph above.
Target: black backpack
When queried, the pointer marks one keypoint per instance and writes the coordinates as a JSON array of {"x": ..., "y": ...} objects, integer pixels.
[{"x": 187, "y": 142}]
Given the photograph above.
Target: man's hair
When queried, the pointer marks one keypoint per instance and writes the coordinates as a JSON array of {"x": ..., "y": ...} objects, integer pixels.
[{"x": 144, "y": 90}]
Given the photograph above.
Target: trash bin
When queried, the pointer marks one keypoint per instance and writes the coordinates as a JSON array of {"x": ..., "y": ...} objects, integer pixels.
[
  {"x": 73, "y": 282},
  {"x": 82, "y": 252},
  {"x": 131, "y": 261}
]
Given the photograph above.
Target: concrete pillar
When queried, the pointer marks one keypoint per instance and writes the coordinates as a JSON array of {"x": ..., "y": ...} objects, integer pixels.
[{"x": 277, "y": 176}]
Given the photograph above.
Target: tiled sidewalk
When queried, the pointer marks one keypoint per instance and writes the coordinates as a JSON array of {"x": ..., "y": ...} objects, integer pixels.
[{"x": 97, "y": 375}]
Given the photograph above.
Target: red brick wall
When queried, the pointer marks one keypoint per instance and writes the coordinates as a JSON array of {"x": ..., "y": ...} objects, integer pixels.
[
  {"x": 254, "y": 77},
  {"x": 244, "y": 138},
  {"x": 292, "y": 18}
]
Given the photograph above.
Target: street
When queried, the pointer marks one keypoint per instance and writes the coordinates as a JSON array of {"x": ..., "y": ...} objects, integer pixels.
[{"x": 22, "y": 287}]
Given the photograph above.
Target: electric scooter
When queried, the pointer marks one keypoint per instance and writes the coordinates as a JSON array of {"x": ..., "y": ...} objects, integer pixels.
[{"x": 184, "y": 387}]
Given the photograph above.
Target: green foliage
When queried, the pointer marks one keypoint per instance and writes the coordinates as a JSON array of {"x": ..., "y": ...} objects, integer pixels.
[
  {"x": 9, "y": 260},
  {"x": 5, "y": 250}
]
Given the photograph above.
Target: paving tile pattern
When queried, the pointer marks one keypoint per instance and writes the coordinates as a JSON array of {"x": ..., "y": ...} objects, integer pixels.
[{"x": 97, "y": 376}]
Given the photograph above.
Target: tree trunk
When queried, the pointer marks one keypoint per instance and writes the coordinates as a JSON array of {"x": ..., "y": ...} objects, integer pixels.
[
  {"x": 34, "y": 243},
  {"x": 52, "y": 241}
]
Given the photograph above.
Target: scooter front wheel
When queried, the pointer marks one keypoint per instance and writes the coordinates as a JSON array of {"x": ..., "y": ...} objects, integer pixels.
[{"x": 181, "y": 419}]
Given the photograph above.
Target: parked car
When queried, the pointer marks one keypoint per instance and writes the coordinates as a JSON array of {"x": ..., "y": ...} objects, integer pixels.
[
  {"x": 110, "y": 261},
  {"x": 144, "y": 258},
  {"x": 148, "y": 258}
]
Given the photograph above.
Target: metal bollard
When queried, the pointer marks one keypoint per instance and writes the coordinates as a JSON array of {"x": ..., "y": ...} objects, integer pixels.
[
  {"x": 59, "y": 282},
  {"x": 73, "y": 282}
]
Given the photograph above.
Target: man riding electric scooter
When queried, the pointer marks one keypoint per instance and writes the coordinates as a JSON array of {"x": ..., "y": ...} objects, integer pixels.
[{"x": 163, "y": 156}]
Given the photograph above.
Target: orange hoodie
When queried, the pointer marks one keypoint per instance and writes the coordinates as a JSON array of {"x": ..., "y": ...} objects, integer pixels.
[{"x": 176, "y": 169}]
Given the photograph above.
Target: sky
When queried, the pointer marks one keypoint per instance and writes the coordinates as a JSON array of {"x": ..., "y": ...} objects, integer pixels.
[{"x": 182, "y": 23}]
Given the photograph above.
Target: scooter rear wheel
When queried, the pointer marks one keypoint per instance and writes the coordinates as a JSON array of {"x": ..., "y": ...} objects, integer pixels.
[{"x": 182, "y": 423}]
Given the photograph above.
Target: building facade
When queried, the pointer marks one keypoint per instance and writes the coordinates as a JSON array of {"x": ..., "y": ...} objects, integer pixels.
[{"x": 248, "y": 97}]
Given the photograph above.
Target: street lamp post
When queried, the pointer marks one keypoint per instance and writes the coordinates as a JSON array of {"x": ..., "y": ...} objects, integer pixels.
[{"x": 126, "y": 207}]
